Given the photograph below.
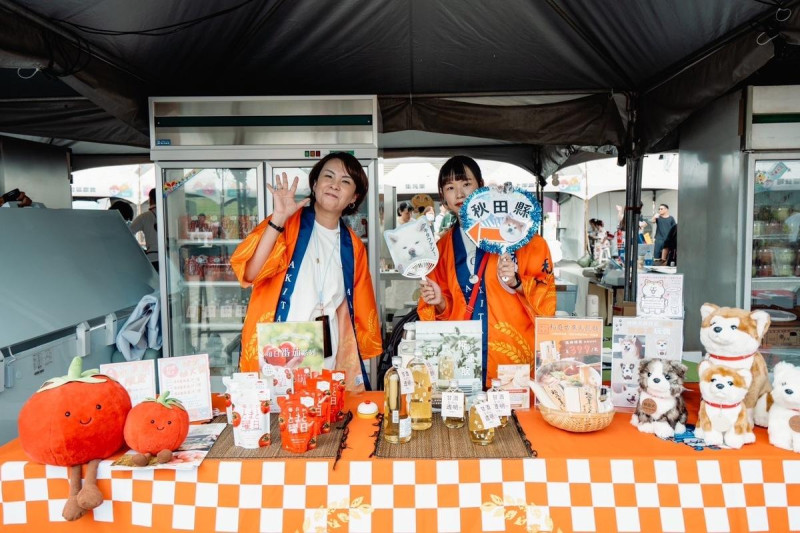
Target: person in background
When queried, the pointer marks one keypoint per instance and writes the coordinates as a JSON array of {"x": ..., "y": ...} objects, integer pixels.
[
  {"x": 146, "y": 223},
  {"x": 403, "y": 213},
  {"x": 15, "y": 198},
  {"x": 304, "y": 263},
  {"x": 124, "y": 209},
  {"x": 512, "y": 291},
  {"x": 669, "y": 253},
  {"x": 664, "y": 223},
  {"x": 430, "y": 214}
]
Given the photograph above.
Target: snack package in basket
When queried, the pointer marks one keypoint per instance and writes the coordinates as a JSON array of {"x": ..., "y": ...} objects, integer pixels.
[
  {"x": 297, "y": 425},
  {"x": 250, "y": 405},
  {"x": 571, "y": 386}
]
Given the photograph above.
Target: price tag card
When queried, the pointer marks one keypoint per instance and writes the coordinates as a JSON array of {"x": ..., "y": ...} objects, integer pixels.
[
  {"x": 452, "y": 405},
  {"x": 188, "y": 379},
  {"x": 488, "y": 415},
  {"x": 431, "y": 370},
  {"x": 406, "y": 381},
  {"x": 138, "y": 378},
  {"x": 501, "y": 402}
]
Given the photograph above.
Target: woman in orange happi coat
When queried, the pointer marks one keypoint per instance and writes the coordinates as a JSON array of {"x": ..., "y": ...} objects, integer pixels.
[
  {"x": 303, "y": 262},
  {"x": 506, "y": 309}
]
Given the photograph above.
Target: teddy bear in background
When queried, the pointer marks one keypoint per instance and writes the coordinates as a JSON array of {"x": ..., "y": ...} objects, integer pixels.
[
  {"x": 731, "y": 338},
  {"x": 723, "y": 416},
  {"x": 779, "y": 410},
  {"x": 661, "y": 409}
]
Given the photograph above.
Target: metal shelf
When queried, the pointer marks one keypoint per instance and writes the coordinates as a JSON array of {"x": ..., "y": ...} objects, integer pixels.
[
  {"x": 774, "y": 280},
  {"x": 230, "y": 326},
  {"x": 210, "y": 284},
  {"x": 207, "y": 242}
]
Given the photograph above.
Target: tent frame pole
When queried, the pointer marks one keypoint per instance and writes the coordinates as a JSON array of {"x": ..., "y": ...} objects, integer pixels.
[{"x": 633, "y": 206}]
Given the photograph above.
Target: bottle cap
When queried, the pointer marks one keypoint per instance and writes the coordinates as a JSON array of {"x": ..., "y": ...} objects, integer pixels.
[
  {"x": 397, "y": 361},
  {"x": 453, "y": 383}
]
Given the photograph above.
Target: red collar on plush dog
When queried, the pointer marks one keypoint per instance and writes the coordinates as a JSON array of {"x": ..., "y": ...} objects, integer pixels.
[
  {"x": 726, "y": 358},
  {"x": 723, "y": 406}
]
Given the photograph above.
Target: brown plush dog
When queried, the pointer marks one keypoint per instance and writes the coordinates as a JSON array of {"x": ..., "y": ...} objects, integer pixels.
[{"x": 731, "y": 338}]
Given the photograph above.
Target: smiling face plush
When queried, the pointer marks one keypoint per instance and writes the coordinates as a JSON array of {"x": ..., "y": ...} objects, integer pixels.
[
  {"x": 74, "y": 419},
  {"x": 157, "y": 424}
]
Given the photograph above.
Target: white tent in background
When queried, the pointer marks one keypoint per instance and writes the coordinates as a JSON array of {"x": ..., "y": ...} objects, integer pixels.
[
  {"x": 587, "y": 180},
  {"x": 128, "y": 182}
]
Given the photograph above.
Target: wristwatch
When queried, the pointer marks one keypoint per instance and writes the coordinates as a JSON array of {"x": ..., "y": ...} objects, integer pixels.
[
  {"x": 277, "y": 228},
  {"x": 519, "y": 282}
]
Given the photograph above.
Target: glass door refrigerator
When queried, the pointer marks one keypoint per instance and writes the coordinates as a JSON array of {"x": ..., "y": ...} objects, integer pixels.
[
  {"x": 208, "y": 208},
  {"x": 774, "y": 251}
]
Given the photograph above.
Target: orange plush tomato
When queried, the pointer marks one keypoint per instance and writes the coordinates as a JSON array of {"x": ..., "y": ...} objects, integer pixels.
[
  {"x": 74, "y": 418},
  {"x": 157, "y": 424}
]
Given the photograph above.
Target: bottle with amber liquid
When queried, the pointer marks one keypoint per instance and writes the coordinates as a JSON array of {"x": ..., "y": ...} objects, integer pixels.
[
  {"x": 422, "y": 398},
  {"x": 396, "y": 421},
  {"x": 497, "y": 390},
  {"x": 479, "y": 434},
  {"x": 453, "y": 412}
]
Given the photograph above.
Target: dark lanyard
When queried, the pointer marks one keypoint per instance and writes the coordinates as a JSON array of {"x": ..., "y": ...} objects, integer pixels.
[{"x": 480, "y": 310}]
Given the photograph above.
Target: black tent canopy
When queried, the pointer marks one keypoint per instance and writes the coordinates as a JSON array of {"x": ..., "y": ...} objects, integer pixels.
[{"x": 558, "y": 76}]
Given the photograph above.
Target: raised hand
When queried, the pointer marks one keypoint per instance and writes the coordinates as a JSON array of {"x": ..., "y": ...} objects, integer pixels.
[{"x": 284, "y": 204}]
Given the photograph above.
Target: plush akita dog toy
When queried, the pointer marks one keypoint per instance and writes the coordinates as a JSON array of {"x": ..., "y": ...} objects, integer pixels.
[
  {"x": 661, "y": 409},
  {"x": 780, "y": 409},
  {"x": 723, "y": 416},
  {"x": 731, "y": 338}
]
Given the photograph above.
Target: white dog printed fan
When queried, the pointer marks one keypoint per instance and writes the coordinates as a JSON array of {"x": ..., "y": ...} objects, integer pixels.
[{"x": 413, "y": 248}]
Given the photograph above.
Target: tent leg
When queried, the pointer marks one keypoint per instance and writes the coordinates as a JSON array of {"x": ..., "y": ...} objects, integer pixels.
[{"x": 633, "y": 206}]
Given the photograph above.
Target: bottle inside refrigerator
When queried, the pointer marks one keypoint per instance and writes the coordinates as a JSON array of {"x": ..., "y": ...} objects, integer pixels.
[
  {"x": 207, "y": 213},
  {"x": 775, "y": 253}
]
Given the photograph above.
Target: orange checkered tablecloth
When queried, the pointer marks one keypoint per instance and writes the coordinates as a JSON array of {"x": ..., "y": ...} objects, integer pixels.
[{"x": 614, "y": 480}]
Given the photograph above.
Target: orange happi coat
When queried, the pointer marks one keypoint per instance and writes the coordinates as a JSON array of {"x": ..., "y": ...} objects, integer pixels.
[
  {"x": 510, "y": 316},
  {"x": 267, "y": 286}
]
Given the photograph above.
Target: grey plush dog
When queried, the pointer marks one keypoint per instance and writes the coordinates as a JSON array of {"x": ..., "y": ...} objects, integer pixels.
[{"x": 661, "y": 409}]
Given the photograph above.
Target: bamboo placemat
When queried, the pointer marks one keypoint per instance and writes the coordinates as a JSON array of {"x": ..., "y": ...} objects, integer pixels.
[
  {"x": 327, "y": 445},
  {"x": 441, "y": 442}
]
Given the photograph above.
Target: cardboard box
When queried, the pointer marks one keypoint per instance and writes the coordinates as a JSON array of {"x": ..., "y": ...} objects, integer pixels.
[
  {"x": 625, "y": 309},
  {"x": 780, "y": 336}
]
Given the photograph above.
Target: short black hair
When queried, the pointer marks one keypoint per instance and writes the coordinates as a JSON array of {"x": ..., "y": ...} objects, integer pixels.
[
  {"x": 455, "y": 169},
  {"x": 665, "y": 206},
  {"x": 124, "y": 209},
  {"x": 354, "y": 170},
  {"x": 152, "y": 196},
  {"x": 402, "y": 208}
]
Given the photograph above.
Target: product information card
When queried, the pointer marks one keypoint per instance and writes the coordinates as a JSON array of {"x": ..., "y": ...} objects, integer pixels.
[
  {"x": 659, "y": 295},
  {"x": 188, "y": 379},
  {"x": 138, "y": 378}
]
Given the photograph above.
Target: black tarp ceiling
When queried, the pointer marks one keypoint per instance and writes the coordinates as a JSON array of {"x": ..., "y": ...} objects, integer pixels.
[{"x": 600, "y": 62}]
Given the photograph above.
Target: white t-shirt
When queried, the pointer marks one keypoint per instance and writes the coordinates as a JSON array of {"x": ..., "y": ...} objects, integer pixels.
[
  {"x": 326, "y": 273},
  {"x": 146, "y": 223}
]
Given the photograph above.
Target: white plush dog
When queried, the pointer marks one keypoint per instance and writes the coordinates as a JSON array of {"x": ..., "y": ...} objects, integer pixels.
[
  {"x": 780, "y": 409},
  {"x": 723, "y": 415}
]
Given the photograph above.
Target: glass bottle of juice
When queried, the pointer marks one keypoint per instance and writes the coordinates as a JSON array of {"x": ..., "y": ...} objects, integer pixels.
[
  {"x": 496, "y": 390},
  {"x": 396, "y": 422},
  {"x": 447, "y": 369},
  {"x": 421, "y": 399},
  {"x": 453, "y": 406},
  {"x": 478, "y": 433}
]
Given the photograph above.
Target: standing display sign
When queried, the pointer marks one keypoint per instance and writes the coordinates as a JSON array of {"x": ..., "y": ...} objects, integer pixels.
[
  {"x": 138, "y": 378},
  {"x": 633, "y": 340},
  {"x": 188, "y": 379},
  {"x": 659, "y": 295}
]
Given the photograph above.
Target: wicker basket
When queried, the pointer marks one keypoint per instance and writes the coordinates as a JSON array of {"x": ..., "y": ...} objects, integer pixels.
[{"x": 576, "y": 422}]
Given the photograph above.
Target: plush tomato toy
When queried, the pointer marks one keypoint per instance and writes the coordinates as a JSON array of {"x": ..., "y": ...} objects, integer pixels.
[
  {"x": 73, "y": 420},
  {"x": 157, "y": 426}
]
